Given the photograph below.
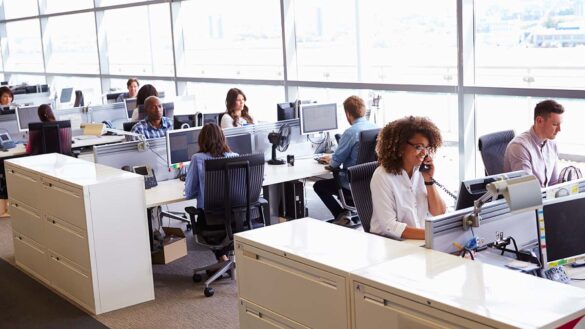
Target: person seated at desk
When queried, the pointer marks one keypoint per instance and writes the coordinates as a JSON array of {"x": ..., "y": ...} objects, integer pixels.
[
  {"x": 403, "y": 195},
  {"x": 535, "y": 150},
  {"x": 154, "y": 125},
  {"x": 45, "y": 113},
  {"x": 212, "y": 144},
  {"x": 144, "y": 92},
  {"x": 6, "y": 96},
  {"x": 237, "y": 112},
  {"x": 346, "y": 155},
  {"x": 132, "y": 85}
]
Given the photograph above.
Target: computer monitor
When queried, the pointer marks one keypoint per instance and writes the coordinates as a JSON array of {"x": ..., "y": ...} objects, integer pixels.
[
  {"x": 168, "y": 110},
  {"x": 241, "y": 144},
  {"x": 66, "y": 95},
  {"x": 26, "y": 115},
  {"x": 130, "y": 105},
  {"x": 183, "y": 121},
  {"x": 181, "y": 145},
  {"x": 560, "y": 229},
  {"x": 115, "y": 113},
  {"x": 112, "y": 97},
  {"x": 317, "y": 118},
  {"x": 472, "y": 189},
  {"x": 285, "y": 111}
]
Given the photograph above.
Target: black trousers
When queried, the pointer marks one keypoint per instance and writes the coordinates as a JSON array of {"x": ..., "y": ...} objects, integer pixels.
[{"x": 327, "y": 190}]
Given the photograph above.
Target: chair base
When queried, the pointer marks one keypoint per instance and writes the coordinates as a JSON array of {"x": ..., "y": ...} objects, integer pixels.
[{"x": 220, "y": 269}]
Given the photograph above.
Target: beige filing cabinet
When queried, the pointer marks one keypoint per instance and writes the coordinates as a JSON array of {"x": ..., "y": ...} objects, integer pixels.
[
  {"x": 438, "y": 290},
  {"x": 80, "y": 228},
  {"x": 296, "y": 274}
]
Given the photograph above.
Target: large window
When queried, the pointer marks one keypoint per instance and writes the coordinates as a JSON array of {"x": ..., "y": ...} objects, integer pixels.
[
  {"x": 70, "y": 44},
  {"x": 22, "y": 49},
  {"x": 19, "y": 8},
  {"x": 103, "y": 3},
  {"x": 530, "y": 43},
  {"x": 57, "y": 6},
  {"x": 138, "y": 40},
  {"x": 230, "y": 39}
]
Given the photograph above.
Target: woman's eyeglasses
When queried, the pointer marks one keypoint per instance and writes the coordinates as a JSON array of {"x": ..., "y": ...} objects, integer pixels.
[{"x": 419, "y": 147}]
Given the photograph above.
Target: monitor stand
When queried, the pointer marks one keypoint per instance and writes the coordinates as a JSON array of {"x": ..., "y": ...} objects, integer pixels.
[{"x": 325, "y": 146}]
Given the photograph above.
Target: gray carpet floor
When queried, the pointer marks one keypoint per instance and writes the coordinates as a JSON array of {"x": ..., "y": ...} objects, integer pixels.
[{"x": 179, "y": 302}]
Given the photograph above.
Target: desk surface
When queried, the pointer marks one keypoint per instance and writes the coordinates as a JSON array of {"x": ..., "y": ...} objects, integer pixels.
[
  {"x": 95, "y": 140},
  {"x": 20, "y": 149},
  {"x": 171, "y": 191}
]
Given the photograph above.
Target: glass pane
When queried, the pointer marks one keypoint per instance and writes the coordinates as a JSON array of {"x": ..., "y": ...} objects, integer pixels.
[
  {"x": 530, "y": 44},
  {"x": 261, "y": 100},
  {"x": 326, "y": 40},
  {"x": 22, "y": 46},
  {"x": 71, "y": 44},
  {"x": 139, "y": 40},
  {"x": 231, "y": 39},
  {"x": 57, "y": 6},
  {"x": 19, "y": 8},
  {"x": 90, "y": 87},
  {"x": 103, "y": 3},
  {"x": 17, "y": 79},
  {"x": 397, "y": 39}
]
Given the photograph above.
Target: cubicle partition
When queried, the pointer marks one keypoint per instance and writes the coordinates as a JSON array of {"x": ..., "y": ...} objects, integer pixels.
[
  {"x": 151, "y": 152},
  {"x": 9, "y": 124},
  {"x": 445, "y": 233},
  {"x": 77, "y": 116},
  {"x": 114, "y": 112}
]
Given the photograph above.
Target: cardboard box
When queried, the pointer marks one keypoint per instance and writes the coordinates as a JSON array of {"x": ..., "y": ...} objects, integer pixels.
[{"x": 174, "y": 246}]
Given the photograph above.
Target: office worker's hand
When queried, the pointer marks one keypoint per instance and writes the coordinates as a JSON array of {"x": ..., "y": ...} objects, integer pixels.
[
  {"x": 326, "y": 158},
  {"x": 429, "y": 174}
]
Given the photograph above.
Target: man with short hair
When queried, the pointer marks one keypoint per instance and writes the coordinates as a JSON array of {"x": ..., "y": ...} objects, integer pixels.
[
  {"x": 535, "y": 151},
  {"x": 132, "y": 84},
  {"x": 345, "y": 155},
  {"x": 154, "y": 125}
]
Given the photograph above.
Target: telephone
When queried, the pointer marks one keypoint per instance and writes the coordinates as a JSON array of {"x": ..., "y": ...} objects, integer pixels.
[
  {"x": 147, "y": 172},
  {"x": 425, "y": 167},
  {"x": 6, "y": 142}
]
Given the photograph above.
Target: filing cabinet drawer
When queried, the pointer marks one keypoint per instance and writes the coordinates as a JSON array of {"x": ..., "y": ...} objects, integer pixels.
[
  {"x": 373, "y": 307},
  {"x": 23, "y": 186},
  {"x": 30, "y": 256},
  {"x": 56, "y": 194},
  {"x": 69, "y": 280},
  {"x": 255, "y": 317},
  {"x": 27, "y": 220},
  {"x": 282, "y": 285},
  {"x": 69, "y": 241}
]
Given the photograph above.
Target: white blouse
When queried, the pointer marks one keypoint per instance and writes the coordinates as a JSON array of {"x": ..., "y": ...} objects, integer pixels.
[
  {"x": 228, "y": 122},
  {"x": 398, "y": 201}
]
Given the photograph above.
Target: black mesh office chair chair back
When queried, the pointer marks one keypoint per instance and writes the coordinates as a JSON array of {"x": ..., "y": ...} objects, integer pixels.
[
  {"x": 50, "y": 137},
  {"x": 232, "y": 204},
  {"x": 492, "y": 148},
  {"x": 359, "y": 180},
  {"x": 127, "y": 126}
]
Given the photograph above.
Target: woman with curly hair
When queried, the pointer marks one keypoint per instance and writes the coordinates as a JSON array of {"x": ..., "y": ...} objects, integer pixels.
[{"x": 403, "y": 195}]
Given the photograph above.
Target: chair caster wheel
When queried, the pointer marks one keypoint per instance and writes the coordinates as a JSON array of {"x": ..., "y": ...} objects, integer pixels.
[
  {"x": 197, "y": 277},
  {"x": 208, "y": 292},
  {"x": 189, "y": 227}
]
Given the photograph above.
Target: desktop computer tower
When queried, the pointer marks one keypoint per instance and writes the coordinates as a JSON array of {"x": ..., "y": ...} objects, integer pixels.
[{"x": 294, "y": 200}]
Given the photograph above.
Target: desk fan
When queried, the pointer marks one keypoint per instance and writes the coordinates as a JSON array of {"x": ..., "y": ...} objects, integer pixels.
[{"x": 280, "y": 141}]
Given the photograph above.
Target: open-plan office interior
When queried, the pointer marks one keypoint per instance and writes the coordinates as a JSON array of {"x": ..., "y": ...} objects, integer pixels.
[{"x": 473, "y": 67}]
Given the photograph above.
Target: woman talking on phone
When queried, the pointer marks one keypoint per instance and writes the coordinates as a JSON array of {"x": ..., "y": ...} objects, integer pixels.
[{"x": 403, "y": 190}]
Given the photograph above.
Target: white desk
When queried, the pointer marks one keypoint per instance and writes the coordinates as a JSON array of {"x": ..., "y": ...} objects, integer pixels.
[
  {"x": 20, "y": 149},
  {"x": 306, "y": 273},
  {"x": 171, "y": 191},
  {"x": 97, "y": 140}
]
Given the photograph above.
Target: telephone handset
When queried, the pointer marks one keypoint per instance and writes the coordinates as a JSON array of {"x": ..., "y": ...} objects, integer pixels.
[
  {"x": 147, "y": 172},
  {"x": 425, "y": 167}
]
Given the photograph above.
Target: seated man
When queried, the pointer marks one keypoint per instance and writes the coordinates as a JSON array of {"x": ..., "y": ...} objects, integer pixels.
[
  {"x": 346, "y": 155},
  {"x": 132, "y": 85},
  {"x": 535, "y": 151},
  {"x": 154, "y": 125}
]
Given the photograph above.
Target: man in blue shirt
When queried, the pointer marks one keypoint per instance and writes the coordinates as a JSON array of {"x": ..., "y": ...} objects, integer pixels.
[
  {"x": 345, "y": 155},
  {"x": 154, "y": 125}
]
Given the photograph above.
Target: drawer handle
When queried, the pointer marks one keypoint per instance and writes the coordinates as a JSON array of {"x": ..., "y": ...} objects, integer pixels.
[
  {"x": 15, "y": 205},
  {"x": 54, "y": 222},
  {"x": 19, "y": 238}
]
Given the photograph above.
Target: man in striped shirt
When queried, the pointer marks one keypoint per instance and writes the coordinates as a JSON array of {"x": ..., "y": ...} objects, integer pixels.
[{"x": 154, "y": 125}]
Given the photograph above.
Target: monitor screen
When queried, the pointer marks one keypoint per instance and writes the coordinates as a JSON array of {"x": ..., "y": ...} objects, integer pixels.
[
  {"x": 181, "y": 145},
  {"x": 318, "y": 118},
  {"x": 561, "y": 228},
  {"x": 241, "y": 144},
  {"x": 26, "y": 115},
  {"x": 183, "y": 121},
  {"x": 472, "y": 189},
  {"x": 66, "y": 95}
]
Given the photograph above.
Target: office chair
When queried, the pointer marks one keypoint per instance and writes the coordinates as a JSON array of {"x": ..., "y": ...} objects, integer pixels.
[
  {"x": 359, "y": 181},
  {"x": 366, "y": 153},
  {"x": 232, "y": 204},
  {"x": 492, "y": 148},
  {"x": 127, "y": 126},
  {"x": 78, "y": 99},
  {"x": 50, "y": 137}
]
